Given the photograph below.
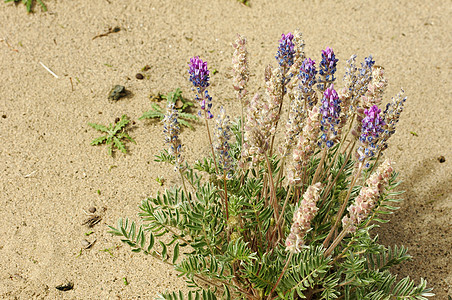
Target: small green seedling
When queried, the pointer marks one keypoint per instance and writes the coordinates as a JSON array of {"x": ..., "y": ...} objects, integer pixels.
[
  {"x": 114, "y": 134},
  {"x": 124, "y": 279},
  {"x": 160, "y": 180},
  {"x": 180, "y": 103},
  {"x": 89, "y": 233},
  {"x": 109, "y": 250},
  {"x": 98, "y": 192},
  {"x": 214, "y": 71},
  {"x": 413, "y": 133},
  {"x": 244, "y": 2},
  {"x": 79, "y": 253},
  {"x": 29, "y": 4}
]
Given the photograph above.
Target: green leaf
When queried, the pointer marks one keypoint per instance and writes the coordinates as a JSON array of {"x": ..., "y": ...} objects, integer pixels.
[
  {"x": 164, "y": 250},
  {"x": 151, "y": 114},
  {"x": 151, "y": 242},
  {"x": 99, "y": 140},
  {"x": 119, "y": 145},
  {"x": 99, "y": 127},
  {"x": 176, "y": 253}
]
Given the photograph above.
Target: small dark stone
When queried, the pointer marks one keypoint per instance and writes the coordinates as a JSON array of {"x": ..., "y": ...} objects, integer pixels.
[
  {"x": 65, "y": 287},
  {"x": 441, "y": 159},
  {"x": 116, "y": 29},
  {"x": 139, "y": 76},
  {"x": 117, "y": 92},
  {"x": 4, "y": 116},
  {"x": 117, "y": 120},
  {"x": 92, "y": 209}
]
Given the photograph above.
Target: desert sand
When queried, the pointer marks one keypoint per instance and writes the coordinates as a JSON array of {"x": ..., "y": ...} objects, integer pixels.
[{"x": 50, "y": 175}]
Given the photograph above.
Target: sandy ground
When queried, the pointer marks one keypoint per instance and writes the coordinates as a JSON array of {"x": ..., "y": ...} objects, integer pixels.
[{"x": 50, "y": 174}]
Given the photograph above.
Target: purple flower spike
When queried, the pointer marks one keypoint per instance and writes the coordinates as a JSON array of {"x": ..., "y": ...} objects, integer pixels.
[
  {"x": 286, "y": 51},
  {"x": 307, "y": 77},
  {"x": 367, "y": 65},
  {"x": 308, "y": 67},
  {"x": 199, "y": 75},
  {"x": 327, "y": 68},
  {"x": 330, "y": 110},
  {"x": 372, "y": 124},
  {"x": 329, "y": 60},
  {"x": 371, "y": 132}
]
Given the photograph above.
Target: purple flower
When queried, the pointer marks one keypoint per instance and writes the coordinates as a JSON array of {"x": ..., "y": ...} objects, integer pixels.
[
  {"x": 330, "y": 110},
  {"x": 199, "y": 75},
  {"x": 372, "y": 125},
  {"x": 371, "y": 130},
  {"x": 307, "y": 78},
  {"x": 327, "y": 68},
  {"x": 286, "y": 51},
  {"x": 366, "y": 66},
  {"x": 329, "y": 61}
]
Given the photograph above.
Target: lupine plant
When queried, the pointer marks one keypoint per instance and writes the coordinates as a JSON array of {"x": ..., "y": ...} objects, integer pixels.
[{"x": 254, "y": 222}]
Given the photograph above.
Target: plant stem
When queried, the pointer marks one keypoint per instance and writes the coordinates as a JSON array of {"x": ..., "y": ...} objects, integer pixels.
[
  {"x": 279, "y": 115},
  {"x": 226, "y": 196},
  {"x": 281, "y": 170},
  {"x": 281, "y": 275},
  {"x": 226, "y": 207},
  {"x": 344, "y": 205},
  {"x": 278, "y": 223},
  {"x": 210, "y": 141},
  {"x": 336, "y": 241},
  {"x": 242, "y": 124},
  {"x": 272, "y": 188},
  {"x": 330, "y": 186},
  {"x": 320, "y": 165},
  {"x": 185, "y": 188},
  {"x": 344, "y": 137}
]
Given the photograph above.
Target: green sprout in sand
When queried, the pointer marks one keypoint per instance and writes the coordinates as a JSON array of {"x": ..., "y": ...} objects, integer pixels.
[
  {"x": 180, "y": 104},
  {"x": 114, "y": 135},
  {"x": 29, "y": 4}
]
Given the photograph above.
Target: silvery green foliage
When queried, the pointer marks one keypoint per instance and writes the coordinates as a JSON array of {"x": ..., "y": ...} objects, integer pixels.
[{"x": 254, "y": 234}]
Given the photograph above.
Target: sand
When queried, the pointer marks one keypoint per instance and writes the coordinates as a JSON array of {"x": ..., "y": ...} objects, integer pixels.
[{"x": 50, "y": 174}]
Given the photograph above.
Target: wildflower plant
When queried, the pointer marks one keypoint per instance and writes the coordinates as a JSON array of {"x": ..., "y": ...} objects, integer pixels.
[
  {"x": 255, "y": 224},
  {"x": 114, "y": 135}
]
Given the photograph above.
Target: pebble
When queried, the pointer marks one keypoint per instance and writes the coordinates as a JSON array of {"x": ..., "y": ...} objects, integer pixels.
[
  {"x": 92, "y": 209},
  {"x": 85, "y": 244},
  {"x": 117, "y": 92},
  {"x": 139, "y": 76}
]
